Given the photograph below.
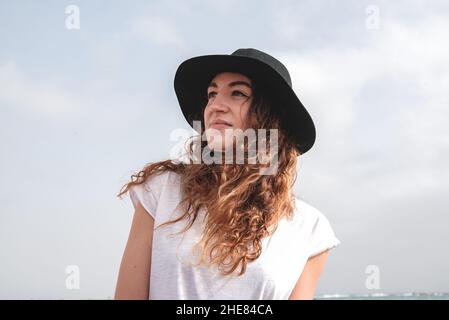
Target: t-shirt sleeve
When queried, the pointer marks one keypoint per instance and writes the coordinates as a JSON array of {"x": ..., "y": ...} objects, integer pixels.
[
  {"x": 144, "y": 194},
  {"x": 323, "y": 236}
]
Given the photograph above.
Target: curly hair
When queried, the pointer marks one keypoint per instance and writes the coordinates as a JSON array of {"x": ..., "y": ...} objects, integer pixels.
[{"x": 243, "y": 206}]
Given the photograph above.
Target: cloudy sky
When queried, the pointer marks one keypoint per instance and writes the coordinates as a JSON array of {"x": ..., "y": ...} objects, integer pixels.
[{"x": 81, "y": 109}]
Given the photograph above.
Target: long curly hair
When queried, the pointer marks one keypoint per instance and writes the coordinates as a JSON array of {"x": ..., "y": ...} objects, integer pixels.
[{"x": 243, "y": 206}]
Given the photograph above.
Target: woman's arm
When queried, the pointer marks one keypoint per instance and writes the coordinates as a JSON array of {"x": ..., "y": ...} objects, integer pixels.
[
  {"x": 134, "y": 275},
  {"x": 306, "y": 285}
]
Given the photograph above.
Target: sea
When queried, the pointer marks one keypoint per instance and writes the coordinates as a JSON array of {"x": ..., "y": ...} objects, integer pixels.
[{"x": 386, "y": 296}]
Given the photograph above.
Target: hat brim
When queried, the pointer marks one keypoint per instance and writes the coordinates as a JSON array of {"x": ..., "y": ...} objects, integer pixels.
[{"x": 193, "y": 76}]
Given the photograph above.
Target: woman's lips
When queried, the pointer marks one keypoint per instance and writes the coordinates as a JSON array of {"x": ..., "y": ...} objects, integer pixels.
[{"x": 220, "y": 126}]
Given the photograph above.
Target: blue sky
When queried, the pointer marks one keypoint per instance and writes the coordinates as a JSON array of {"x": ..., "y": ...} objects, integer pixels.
[{"x": 81, "y": 110}]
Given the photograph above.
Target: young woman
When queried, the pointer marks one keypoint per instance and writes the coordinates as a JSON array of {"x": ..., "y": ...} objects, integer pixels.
[{"x": 228, "y": 229}]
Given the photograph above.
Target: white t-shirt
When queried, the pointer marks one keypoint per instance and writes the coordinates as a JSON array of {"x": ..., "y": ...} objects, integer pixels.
[{"x": 272, "y": 276}]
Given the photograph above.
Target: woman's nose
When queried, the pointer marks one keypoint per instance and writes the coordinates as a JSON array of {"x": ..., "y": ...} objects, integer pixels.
[{"x": 219, "y": 104}]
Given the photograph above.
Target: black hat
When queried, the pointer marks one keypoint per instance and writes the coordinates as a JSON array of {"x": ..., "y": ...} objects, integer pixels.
[{"x": 194, "y": 75}]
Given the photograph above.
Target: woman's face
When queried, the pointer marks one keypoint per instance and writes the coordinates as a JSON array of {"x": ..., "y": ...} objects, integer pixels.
[{"x": 229, "y": 100}]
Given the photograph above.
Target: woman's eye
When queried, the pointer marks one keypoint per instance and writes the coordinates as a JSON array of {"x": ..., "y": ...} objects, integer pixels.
[
  {"x": 241, "y": 94},
  {"x": 234, "y": 93},
  {"x": 210, "y": 94}
]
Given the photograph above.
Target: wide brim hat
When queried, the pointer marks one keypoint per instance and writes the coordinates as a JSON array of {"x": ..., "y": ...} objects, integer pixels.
[{"x": 194, "y": 75}]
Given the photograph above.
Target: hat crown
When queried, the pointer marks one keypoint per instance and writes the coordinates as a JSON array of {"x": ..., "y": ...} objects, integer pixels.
[{"x": 267, "y": 59}]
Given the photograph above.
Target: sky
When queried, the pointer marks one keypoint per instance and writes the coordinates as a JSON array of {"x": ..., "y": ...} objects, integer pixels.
[{"x": 86, "y": 103}]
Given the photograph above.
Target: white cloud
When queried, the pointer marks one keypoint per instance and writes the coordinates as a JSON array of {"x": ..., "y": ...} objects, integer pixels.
[
  {"x": 157, "y": 29},
  {"x": 286, "y": 21},
  {"x": 19, "y": 90},
  {"x": 391, "y": 97},
  {"x": 108, "y": 53}
]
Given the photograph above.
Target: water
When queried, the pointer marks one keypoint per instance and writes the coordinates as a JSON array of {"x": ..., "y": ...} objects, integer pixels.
[{"x": 386, "y": 296}]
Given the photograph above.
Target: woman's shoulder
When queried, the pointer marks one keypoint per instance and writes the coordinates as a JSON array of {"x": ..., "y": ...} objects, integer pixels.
[
  {"x": 159, "y": 180},
  {"x": 153, "y": 189},
  {"x": 307, "y": 213},
  {"x": 315, "y": 223}
]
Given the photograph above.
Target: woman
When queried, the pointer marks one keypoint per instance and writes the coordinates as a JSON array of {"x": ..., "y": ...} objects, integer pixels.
[{"x": 227, "y": 229}]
